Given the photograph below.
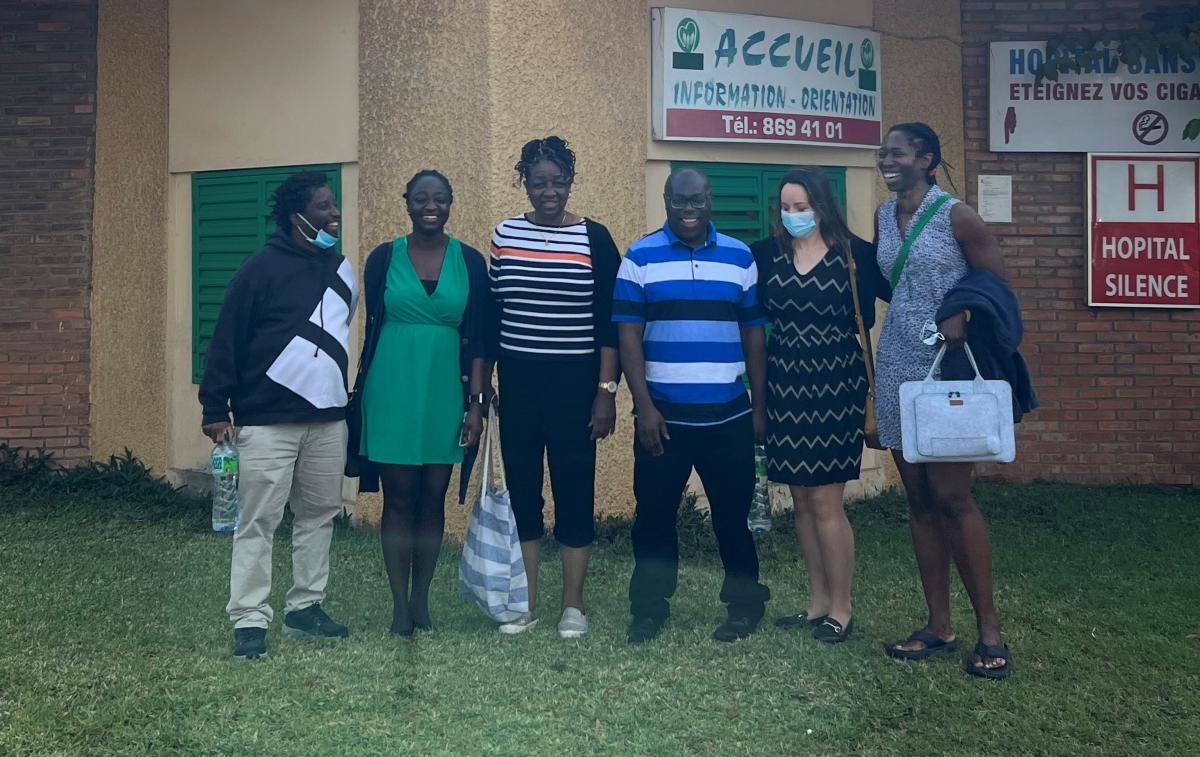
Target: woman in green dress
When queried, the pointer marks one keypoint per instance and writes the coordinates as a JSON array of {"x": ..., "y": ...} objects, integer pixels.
[{"x": 427, "y": 301}]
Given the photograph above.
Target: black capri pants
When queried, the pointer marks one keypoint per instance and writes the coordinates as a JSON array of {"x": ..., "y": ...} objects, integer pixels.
[{"x": 545, "y": 408}]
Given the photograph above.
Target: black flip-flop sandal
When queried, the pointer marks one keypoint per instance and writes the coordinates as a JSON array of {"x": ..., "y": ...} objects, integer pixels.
[
  {"x": 933, "y": 644},
  {"x": 995, "y": 652},
  {"x": 799, "y": 620}
]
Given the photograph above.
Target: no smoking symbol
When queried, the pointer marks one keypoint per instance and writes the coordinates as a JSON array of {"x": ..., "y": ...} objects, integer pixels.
[{"x": 1150, "y": 127}]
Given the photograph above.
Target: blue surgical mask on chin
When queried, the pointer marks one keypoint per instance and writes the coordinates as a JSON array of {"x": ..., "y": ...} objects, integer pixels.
[
  {"x": 323, "y": 239},
  {"x": 799, "y": 224}
]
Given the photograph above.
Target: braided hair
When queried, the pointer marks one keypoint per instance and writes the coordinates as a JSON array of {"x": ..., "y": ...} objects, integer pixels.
[
  {"x": 552, "y": 148},
  {"x": 293, "y": 196},
  {"x": 925, "y": 141},
  {"x": 424, "y": 172}
]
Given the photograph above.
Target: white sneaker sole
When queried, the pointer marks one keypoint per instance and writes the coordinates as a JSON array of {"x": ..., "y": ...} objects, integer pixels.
[
  {"x": 510, "y": 629},
  {"x": 571, "y": 633}
]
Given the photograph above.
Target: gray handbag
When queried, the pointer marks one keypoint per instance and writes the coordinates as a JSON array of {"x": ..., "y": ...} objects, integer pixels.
[{"x": 957, "y": 421}]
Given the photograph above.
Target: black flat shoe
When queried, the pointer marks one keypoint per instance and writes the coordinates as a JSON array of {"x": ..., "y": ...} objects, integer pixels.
[
  {"x": 799, "y": 620},
  {"x": 644, "y": 629},
  {"x": 832, "y": 632},
  {"x": 735, "y": 628},
  {"x": 402, "y": 631}
]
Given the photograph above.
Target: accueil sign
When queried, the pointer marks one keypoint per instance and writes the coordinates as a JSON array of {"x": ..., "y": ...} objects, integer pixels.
[
  {"x": 1141, "y": 107},
  {"x": 729, "y": 77},
  {"x": 1144, "y": 230}
]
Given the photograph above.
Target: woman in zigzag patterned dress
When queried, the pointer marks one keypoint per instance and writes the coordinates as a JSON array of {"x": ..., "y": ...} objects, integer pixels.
[{"x": 816, "y": 385}]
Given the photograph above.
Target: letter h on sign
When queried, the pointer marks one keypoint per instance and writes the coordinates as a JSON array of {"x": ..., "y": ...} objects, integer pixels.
[{"x": 1160, "y": 188}]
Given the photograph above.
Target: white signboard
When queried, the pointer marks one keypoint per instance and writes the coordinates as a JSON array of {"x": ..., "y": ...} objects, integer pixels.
[
  {"x": 1139, "y": 108},
  {"x": 729, "y": 77}
]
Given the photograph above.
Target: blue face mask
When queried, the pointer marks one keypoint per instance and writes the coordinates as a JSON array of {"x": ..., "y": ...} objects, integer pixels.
[
  {"x": 323, "y": 239},
  {"x": 799, "y": 224}
]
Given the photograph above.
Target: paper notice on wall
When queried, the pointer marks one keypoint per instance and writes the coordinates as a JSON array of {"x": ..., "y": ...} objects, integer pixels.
[{"x": 995, "y": 198}]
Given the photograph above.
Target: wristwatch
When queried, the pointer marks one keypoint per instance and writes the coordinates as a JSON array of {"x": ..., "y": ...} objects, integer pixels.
[
  {"x": 609, "y": 386},
  {"x": 478, "y": 399}
]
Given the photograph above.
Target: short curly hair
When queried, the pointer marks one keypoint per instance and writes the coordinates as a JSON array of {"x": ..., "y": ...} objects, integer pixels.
[{"x": 294, "y": 194}]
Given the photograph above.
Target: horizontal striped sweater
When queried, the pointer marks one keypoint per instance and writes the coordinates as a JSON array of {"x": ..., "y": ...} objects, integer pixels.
[{"x": 553, "y": 289}]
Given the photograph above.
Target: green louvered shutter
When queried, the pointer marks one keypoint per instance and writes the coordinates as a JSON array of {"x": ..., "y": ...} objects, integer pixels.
[
  {"x": 229, "y": 222},
  {"x": 746, "y": 195}
]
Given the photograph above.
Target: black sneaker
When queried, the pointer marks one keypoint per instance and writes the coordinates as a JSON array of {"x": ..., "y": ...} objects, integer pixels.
[
  {"x": 312, "y": 621},
  {"x": 249, "y": 643},
  {"x": 735, "y": 627},
  {"x": 644, "y": 629}
]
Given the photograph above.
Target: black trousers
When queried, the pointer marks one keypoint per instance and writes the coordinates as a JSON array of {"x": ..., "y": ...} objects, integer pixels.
[
  {"x": 723, "y": 455},
  {"x": 545, "y": 409}
]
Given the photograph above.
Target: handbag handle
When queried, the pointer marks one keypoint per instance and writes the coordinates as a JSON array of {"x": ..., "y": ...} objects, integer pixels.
[
  {"x": 486, "y": 477},
  {"x": 864, "y": 336},
  {"x": 941, "y": 353}
]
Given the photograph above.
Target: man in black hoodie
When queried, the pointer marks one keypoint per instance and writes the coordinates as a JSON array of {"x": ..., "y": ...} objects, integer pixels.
[{"x": 278, "y": 359}]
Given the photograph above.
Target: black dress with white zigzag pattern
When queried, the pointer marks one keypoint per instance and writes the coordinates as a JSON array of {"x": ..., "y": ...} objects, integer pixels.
[{"x": 816, "y": 380}]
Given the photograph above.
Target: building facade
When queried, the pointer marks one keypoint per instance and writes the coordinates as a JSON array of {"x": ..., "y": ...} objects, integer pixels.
[{"x": 141, "y": 136}]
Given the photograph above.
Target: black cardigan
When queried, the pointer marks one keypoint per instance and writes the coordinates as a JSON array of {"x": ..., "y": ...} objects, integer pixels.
[
  {"x": 871, "y": 283},
  {"x": 606, "y": 260},
  {"x": 473, "y": 331}
]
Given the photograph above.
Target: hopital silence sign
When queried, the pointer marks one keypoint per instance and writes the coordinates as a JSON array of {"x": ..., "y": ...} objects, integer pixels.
[
  {"x": 731, "y": 77},
  {"x": 1144, "y": 230}
]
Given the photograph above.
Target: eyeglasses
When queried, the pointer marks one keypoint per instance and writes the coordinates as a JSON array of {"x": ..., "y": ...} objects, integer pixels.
[{"x": 695, "y": 201}]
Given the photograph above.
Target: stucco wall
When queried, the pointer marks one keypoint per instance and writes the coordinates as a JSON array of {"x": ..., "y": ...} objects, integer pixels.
[
  {"x": 591, "y": 86},
  {"x": 922, "y": 75},
  {"x": 269, "y": 83},
  {"x": 456, "y": 86},
  {"x": 460, "y": 86},
  {"x": 129, "y": 383},
  {"x": 260, "y": 83},
  {"x": 922, "y": 81}
]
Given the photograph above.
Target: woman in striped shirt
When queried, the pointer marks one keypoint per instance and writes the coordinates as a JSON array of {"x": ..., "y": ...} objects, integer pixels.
[{"x": 552, "y": 275}]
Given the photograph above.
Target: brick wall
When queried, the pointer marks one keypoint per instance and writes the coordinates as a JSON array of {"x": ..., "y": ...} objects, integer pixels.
[
  {"x": 47, "y": 130},
  {"x": 1120, "y": 388}
]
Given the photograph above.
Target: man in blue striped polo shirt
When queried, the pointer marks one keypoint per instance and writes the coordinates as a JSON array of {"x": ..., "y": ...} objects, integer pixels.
[{"x": 690, "y": 325}]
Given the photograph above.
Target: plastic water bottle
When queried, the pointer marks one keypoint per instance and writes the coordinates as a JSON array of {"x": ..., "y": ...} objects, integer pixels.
[
  {"x": 759, "y": 520},
  {"x": 225, "y": 503}
]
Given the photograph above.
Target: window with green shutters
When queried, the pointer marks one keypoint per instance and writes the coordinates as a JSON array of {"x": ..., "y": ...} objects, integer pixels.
[
  {"x": 746, "y": 195},
  {"x": 230, "y": 220}
]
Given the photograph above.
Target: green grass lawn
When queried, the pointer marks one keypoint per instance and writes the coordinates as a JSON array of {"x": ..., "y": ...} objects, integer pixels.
[{"x": 113, "y": 641}]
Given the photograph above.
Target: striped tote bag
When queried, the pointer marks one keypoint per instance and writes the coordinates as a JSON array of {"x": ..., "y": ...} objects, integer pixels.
[{"x": 491, "y": 573}]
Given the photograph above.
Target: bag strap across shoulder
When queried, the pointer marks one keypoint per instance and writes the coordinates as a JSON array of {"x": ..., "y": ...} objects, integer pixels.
[
  {"x": 913, "y": 233},
  {"x": 863, "y": 335}
]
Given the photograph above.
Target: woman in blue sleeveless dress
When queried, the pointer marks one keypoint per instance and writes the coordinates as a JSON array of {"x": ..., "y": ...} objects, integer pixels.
[{"x": 945, "y": 521}]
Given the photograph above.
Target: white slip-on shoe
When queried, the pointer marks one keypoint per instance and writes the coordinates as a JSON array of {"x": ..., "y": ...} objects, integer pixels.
[
  {"x": 520, "y": 625},
  {"x": 573, "y": 624}
]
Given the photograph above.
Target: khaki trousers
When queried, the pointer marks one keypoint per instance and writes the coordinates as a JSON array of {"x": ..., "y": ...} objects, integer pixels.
[{"x": 296, "y": 463}]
